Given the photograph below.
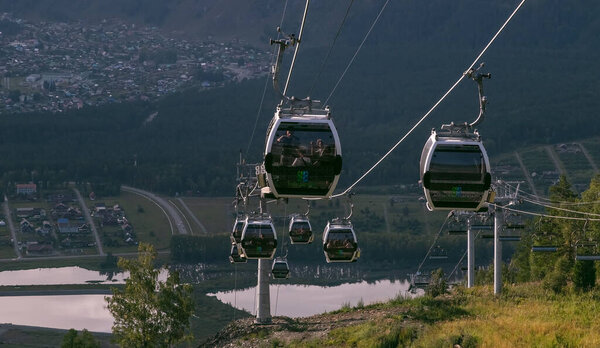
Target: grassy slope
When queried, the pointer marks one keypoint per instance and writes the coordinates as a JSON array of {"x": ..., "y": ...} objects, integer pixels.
[{"x": 523, "y": 316}]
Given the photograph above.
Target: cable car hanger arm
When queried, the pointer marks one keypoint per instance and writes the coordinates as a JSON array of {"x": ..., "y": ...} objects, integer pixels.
[
  {"x": 283, "y": 43},
  {"x": 466, "y": 128},
  {"x": 478, "y": 77}
]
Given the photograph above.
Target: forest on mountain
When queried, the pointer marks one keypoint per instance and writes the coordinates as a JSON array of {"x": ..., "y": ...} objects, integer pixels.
[{"x": 543, "y": 90}]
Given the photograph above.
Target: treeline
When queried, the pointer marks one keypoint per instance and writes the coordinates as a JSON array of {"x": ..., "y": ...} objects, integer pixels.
[
  {"x": 194, "y": 141},
  {"x": 560, "y": 271},
  {"x": 383, "y": 250}
]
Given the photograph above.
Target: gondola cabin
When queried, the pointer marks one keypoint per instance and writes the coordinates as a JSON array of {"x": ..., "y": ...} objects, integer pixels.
[
  {"x": 303, "y": 156},
  {"x": 238, "y": 228},
  {"x": 339, "y": 242},
  {"x": 259, "y": 240},
  {"x": 300, "y": 230},
  {"x": 455, "y": 173},
  {"x": 235, "y": 256},
  {"x": 280, "y": 269}
]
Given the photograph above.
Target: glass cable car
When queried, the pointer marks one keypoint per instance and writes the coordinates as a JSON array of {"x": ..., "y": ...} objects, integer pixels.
[
  {"x": 455, "y": 168},
  {"x": 259, "y": 240},
  {"x": 303, "y": 156},
  {"x": 300, "y": 230},
  {"x": 339, "y": 242},
  {"x": 455, "y": 172},
  {"x": 280, "y": 269}
]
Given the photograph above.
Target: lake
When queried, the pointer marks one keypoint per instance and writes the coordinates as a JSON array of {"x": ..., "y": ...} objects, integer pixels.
[
  {"x": 89, "y": 311},
  {"x": 57, "y": 276},
  {"x": 306, "y": 300},
  {"x": 59, "y": 312}
]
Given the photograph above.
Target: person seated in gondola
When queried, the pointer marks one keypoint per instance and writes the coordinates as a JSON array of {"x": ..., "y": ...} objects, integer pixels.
[
  {"x": 289, "y": 143},
  {"x": 301, "y": 159},
  {"x": 349, "y": 245},
  {"x": 300, "y": 233},
  {"x": 319, "y": 152}
]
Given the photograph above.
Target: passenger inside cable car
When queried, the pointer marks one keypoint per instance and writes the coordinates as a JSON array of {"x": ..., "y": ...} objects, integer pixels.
[
  {"x": 300, "y": 232},
  {"x": 340, "y": 245},
  {"x": 302, "y": 159},
  {"x": 259, "y": 241}
]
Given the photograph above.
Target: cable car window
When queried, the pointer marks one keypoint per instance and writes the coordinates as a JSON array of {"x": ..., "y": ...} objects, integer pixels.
[
  {"x": 300, "y": 232},
  {"x": 451, "y": 162},
  {"x": 259, "y": 241},
  {"x": 258, "y": 232},
  {"x": 237, "y": 231},
  {"x": 303, "y": 158},
  {"x": 343, "y": 239}
]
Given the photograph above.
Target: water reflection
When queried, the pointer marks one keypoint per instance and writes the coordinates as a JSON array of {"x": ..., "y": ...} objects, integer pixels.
[
  {"x": 306, "y": 300},
  {"x": 57, "y": 276},
  {"x": 65, "y": 275},
  {"x": 61, "y": 312}
]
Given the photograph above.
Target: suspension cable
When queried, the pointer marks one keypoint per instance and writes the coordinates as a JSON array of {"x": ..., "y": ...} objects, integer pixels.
[
  {"x": 541, "y": 214},
  {"x": 540, "y": 199},
  {"x": 356, "y": 53},
  {"x": 433, "y": 244},
  {"x": 435, "y": 105},
  {"x": 559, "y": 208},
  {"x": 330, "y": 49},
  {"x": 287, "y": 82},
  {"x": 262, "y": 99}
]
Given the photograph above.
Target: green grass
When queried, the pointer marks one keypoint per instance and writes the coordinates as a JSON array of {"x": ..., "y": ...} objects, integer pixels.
[
  {"x": 523, "y": 315},
  {"x": 215, "y": 213},
  {"x": 537, "y": 160}
]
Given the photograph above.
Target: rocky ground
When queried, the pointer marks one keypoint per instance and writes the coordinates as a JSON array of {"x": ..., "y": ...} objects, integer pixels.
[{"x": 284, "y": 330}]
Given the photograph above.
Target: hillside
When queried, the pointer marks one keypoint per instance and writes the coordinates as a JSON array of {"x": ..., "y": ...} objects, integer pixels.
[
  {"x": 523, "y": 316},
  {"x": 543, "y": 89}
]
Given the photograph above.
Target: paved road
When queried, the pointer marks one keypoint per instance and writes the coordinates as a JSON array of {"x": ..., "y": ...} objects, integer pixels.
[
  {"x": 88, "y": 218},
  {"x": 172, "y": 214},
  {"x": 189, "y": 211},
  {"x": 11, "y": 227},
  {"x": 526, "y": 173},
  {"x": 184, "y": 216}
]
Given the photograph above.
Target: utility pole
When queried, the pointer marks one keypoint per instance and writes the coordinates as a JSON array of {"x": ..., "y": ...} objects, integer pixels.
[
  {"x": 248, "y": 177},
  {"x": 498, "y": 215},
  {"x": 263, "y": 296},
  {"x": 505, "y": 197},
  {"x": 470, "y": 255}
]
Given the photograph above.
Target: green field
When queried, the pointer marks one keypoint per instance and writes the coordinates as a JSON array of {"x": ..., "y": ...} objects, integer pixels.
[
  {"x": 579, "y": 168},
  {"x": 215, "y": 213}
]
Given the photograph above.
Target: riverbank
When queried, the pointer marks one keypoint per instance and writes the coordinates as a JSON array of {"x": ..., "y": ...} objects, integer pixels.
[{"x": 33, "y": 336}]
